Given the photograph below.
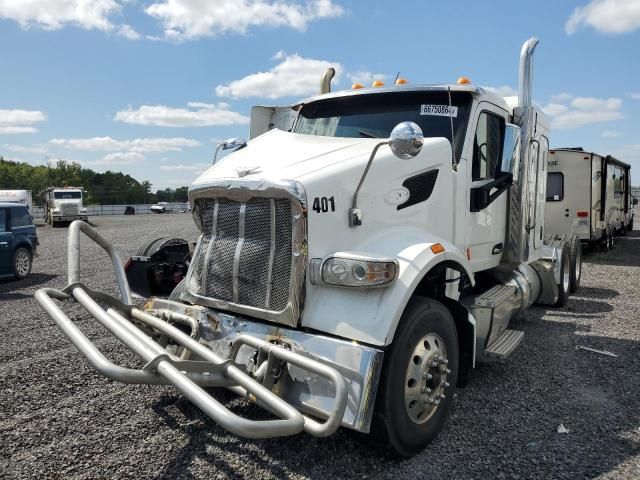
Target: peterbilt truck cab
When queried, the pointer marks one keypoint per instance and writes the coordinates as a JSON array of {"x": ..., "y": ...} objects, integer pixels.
[{"x": 357, "y": 258}]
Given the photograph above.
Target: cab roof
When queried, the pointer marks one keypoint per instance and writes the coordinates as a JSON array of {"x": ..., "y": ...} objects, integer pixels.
[{"x": 505, "y": 102}]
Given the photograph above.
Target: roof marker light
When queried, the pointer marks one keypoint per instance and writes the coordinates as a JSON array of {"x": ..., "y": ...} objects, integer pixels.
[
  {"x": 401, "y": 81},
  {"x": 464, "y": 81},
  {"x": 377, "y": 83},
  {"x": 357, "y": 86}
]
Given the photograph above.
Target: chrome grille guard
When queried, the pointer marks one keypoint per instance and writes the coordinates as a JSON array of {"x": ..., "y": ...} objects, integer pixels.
[{"x": 131, "y": 326}]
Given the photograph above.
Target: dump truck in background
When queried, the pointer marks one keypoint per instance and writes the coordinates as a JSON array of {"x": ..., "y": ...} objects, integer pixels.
[
  {"x": 22, "y": 197},
  {"x": 64, "y": 204},
  {"x": 589, "y": 196},
  {"x": 349, "y": 272}
]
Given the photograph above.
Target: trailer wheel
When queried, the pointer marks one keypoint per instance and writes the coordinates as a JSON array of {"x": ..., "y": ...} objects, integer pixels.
[
  {"x": 418, "y": 378},
  {"x": 575, "y": 255},
  {"x": 564, "y": 286}
]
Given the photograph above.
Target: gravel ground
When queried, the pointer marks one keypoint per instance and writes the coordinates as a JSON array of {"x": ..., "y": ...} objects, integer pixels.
[{"x": 60, "y": 419}]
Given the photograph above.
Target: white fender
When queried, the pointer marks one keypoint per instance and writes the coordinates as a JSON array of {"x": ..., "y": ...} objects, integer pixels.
[{"x": 371, "y": 315}]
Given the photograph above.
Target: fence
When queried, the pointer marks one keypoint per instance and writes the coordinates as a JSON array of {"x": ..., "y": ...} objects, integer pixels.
[{"x": 141, "y": 209}]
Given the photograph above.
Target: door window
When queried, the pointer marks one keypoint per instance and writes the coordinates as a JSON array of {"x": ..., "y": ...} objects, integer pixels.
[
  {"x": 20, "y": 217},
  {"x": 3, "y": 220},
  {"x": 487, "y": 146},
  {"x": 555, "y": 187}
]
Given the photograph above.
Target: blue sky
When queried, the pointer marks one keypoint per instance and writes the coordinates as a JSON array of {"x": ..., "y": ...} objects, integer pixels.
[{"x": 148, "y": 86}]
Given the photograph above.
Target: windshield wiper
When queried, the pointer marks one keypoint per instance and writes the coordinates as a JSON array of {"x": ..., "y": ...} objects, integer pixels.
[{"x": 367, "y": 134}]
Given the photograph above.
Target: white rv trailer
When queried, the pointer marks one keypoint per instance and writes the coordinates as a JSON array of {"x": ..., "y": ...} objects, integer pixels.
[
  {"x": 23, "y": 197},
  {"x": 588, "y": 195},
  {"x": 350, "y": 271}
]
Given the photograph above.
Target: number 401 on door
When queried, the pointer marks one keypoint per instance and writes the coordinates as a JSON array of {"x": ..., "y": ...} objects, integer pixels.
[{"x": 324, "y": 204}]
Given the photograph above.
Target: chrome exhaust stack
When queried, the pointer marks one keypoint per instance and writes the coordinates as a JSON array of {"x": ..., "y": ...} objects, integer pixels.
[
  {"x": 525, "y": 82},
  {"x": 325, "y": 82}
]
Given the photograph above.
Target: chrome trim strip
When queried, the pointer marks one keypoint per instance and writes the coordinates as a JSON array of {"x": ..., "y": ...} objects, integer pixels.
[
  {"x": 207, "y": 256},
  {"x": 272, "y": 253},
  {"x": 236, "y": 257}
]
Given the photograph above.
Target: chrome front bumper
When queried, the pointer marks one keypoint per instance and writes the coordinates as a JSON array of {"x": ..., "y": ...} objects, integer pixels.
[{"x": 309, "y": 382}]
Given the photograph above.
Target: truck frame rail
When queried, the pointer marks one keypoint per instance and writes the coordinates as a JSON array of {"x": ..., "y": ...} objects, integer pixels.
[{"x": 134, "y": 327}]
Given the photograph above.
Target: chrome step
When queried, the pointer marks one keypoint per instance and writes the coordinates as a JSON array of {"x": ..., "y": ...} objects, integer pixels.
[
  {"x": 506, "y": 343},
  {"x": 495, "y": 296}
]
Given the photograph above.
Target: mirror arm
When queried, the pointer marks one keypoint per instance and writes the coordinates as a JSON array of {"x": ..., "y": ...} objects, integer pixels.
[
  {"x": 355, "y": 215},
  {"x": 215, "y": 155}
]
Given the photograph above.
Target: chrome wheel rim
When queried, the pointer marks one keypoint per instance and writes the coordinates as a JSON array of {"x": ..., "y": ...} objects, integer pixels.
[
  {"x": 566, "y": 274},
  {"x": 426, "y": 378},
  {"x": 22, "y": 263}
]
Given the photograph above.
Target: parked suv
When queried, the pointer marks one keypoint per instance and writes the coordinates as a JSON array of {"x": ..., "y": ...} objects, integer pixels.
[{"x": 18, "y": 240}]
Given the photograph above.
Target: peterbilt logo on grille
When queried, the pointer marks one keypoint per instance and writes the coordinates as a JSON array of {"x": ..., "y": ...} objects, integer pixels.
[{"x": 244, "y": 171}]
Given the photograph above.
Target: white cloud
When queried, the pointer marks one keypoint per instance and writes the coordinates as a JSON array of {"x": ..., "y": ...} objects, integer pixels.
[
  {"x": 579, "y": 111},
  {"x": 611, "y": 134},
  {"x": 139, "y": 145},
  {"x": 294, "y": 76},
  {"x": 188, "y": 19},
  {"x": 129, "y": 33},
  {"x": 55, "y": 14},
  {"x": 199, "y": 115},
  {"x": 365, "y": 77},
  {"x": 36, "y": 149},
  {"x": 20, "y": 121},
  {"x": 123, "y": 157},
  {"x": 635, "y": 96},
  {"x": 606, "y": 16},
  {"x": 503, "y": 91}
]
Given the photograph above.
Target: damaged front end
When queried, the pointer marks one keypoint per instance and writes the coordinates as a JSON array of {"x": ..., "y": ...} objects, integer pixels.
[{"x": 308, "y": 382}]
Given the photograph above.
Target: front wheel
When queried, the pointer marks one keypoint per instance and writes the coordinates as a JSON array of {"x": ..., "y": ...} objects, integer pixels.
[
  {"x": 22, "y": 263},
  {"x": 418, "y": 378}
]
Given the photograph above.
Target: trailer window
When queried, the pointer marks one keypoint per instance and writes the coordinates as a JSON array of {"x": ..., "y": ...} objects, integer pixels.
[
  {"x": 375, "y": 115},
  {"x": 67, "y": 195},
  {"x": 3, "y": 220},
  {"x": 555, "y": 187},
  {"x": 487, "y": 147}
]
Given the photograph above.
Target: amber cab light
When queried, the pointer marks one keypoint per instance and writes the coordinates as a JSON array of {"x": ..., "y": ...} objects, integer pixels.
[{"x": 583, "y": 214}]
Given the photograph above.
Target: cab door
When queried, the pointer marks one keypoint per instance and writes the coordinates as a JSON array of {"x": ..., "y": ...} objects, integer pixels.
[
  {"x": 6, "y": 252},
  {"x": 487, "y": 210}
]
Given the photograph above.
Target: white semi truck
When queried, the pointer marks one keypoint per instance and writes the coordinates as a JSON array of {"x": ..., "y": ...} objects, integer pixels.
[
  {"x": 64, "y": 204},
  {"x": 350, "y": 272},
  {"x": 589, "y": 196}
]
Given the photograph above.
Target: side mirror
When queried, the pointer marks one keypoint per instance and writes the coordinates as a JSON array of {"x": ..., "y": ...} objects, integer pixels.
[
  {"x": 406, "y": 140},
  {"x": 231, "y": 143},
  {"x": 511, "y": 150}
]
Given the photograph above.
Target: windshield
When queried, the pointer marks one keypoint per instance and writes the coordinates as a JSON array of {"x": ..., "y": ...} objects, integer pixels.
[
  {"x": 375, "y": 115},
  {"x": 67, "y": 195}
]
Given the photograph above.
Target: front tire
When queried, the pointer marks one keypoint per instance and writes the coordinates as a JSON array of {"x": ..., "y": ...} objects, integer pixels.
[
  {"x": 22, "y": 263},
  {"x": 418, "y": 378}
]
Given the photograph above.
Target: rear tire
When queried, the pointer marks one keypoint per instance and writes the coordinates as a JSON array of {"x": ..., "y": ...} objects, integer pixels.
[
  {"x": 575, "y": 254},
  {"x": 418, "y": 378},
  {"x": 565, "y": 277}
]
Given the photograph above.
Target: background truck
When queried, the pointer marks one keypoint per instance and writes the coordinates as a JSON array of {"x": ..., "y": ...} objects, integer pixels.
[
  {"x": 588, "y": 195},
  {"x": 350, "y": 272},
  {"x": 22, "y": 197},
  {"x": 64, "y": 204}
]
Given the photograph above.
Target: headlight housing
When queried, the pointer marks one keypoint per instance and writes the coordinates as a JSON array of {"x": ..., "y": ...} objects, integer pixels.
[
  {"x": 56, "y": 210},
  {"x": 346, "y": 269},
  {"x": 83, "y": 210}
]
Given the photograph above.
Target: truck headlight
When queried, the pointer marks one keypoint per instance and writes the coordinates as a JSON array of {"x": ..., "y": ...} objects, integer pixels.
[
  {"x": 83, "y": 210},
  {"x": 353, "y": 270},
  {"x": 56, "y": 210}
]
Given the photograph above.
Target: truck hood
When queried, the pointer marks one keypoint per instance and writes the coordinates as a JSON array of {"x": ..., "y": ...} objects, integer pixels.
[{"x": 278, "y": 155}]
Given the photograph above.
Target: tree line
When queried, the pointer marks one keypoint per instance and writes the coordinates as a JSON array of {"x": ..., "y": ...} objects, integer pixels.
[{"x": 108, "y": 188}]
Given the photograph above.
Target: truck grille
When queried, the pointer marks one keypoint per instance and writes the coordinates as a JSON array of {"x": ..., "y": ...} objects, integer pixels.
[
  {"x": 69, "y": 209},
  {"x": 246, "y": 254}
]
